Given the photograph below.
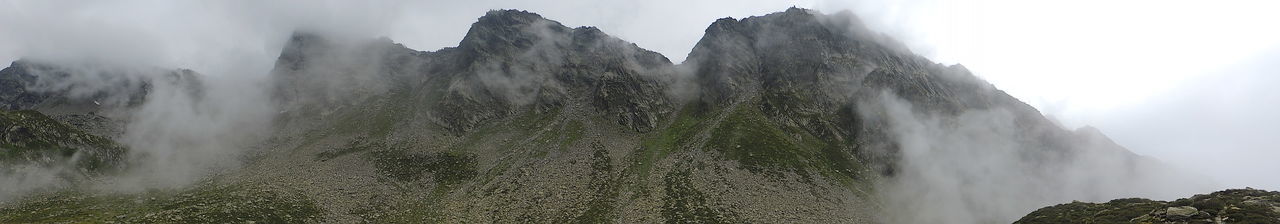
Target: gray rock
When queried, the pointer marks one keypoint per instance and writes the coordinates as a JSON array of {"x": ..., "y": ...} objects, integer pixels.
[{"x": 1180, "y": 212}]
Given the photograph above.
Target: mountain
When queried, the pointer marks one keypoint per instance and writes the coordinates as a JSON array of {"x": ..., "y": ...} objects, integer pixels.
[
  {"x": 794, "y": 116},
  {"x": 94, "y": 99},
  {"x": 31, "y": 138}
]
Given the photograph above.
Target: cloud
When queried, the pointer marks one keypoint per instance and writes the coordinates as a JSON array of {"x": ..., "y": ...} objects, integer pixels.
[
  {"x": 189, "y": 125},
  {"x": 218, "y": 38},
  {"x": 981, "y": 167},
  {"x": 1221, "y": 124}
]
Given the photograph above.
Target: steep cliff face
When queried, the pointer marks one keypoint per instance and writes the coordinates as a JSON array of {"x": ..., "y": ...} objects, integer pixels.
[{"x": 788, "y": 117}]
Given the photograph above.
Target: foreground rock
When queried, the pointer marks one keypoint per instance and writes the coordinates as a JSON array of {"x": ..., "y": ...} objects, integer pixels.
[{"x": 1228, "y": 206}]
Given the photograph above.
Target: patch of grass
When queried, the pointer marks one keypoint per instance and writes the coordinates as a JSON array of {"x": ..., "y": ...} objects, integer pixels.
[
  {"x": 1115, "y": 211},
  {"x": 376, "y": 118},
  {"x": 759, "y": 145},
  {"x": 410, "y": 208},
  {"x": 522, "y": 126},
  {"x": 837, "y": 163},
  {"x": 602, "y": 208},
  {"x": 573, "y": 132},
  {"x": 1123, "y": 210},
  {"x": 444, "y": 167},
  {"x": 351, "y": 147},
  {"x": 207, "y": 204},
  {"x": 665, "y": 140},
  {"x": 531, "y": 120},
  {"x": 747, "y": 136},
  {"x": 685, "y": 204}
]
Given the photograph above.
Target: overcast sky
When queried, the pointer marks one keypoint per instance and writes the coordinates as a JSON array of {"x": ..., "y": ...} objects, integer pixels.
[{"x": 1190, "y": 82}]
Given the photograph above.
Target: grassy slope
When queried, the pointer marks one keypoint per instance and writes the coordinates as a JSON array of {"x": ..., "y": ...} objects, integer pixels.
[{"x": 742, "y": 134}]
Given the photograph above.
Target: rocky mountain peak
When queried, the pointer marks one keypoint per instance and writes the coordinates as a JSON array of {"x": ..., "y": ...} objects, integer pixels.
[
  {"x": 293, "y": 52},
  {"x": 13, "y": 87},
  {"x": 528, "y": 120},
  {"x": 501, "y": 31}
]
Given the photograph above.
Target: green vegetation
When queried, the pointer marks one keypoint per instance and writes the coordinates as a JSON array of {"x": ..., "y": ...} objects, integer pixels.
[
  {"x": 559, "y": 137},
  {"x": 376, "y": 118},
  {"x": 522, "y": 126},
  {"x": 409, "y": 208},
  {"x": 532, "y": 120},
  {"x": 685, "y": 204},
  {"x": 684, "y": 128},
  {"x": 1115, "y": 211},
  {"x": 601, "y": 209},
  {"x": 665, "y": 140},
  {"x": 573, "y": 132},
  {"x": 209, "y": 204},
  {"x": 359, "y": 145},
  {"x": 444, "y": 167},
  {"x": 1237, "y": 205},
  {"x": 746, "y": 135}
]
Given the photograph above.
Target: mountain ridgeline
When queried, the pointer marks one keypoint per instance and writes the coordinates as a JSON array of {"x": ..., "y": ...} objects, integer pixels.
[{"x": 795, "y": 116}]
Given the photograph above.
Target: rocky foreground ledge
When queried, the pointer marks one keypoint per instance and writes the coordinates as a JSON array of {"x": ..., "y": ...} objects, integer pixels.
[{"x": 1227, "y": 206}]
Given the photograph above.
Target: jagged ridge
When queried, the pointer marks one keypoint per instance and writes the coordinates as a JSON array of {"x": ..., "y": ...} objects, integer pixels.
[{"x": 527, "y": 120}]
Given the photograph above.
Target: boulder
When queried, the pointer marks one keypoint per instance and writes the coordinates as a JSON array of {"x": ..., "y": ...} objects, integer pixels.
[{"x": 1180, "y": 212}]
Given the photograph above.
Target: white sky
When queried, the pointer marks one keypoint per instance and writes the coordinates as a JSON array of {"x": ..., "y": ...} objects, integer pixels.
[{"x": 1185, "y": 81}]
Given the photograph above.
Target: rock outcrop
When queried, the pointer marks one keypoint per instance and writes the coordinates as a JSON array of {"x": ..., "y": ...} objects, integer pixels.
[
  {"x": 1228, "y": 206},
  {"x": 31, "y": 138}
]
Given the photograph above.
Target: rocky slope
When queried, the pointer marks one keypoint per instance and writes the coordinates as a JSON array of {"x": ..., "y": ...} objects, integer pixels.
[
  {"x": 774, "y": 118},
  {"x": 93, "y": 99},
  {"x": 31, "y": 138},
  {"x": 1228, "y": 206}
]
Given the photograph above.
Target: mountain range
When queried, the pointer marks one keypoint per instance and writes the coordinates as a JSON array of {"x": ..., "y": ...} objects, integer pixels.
[{"x": 794, "y": 116}]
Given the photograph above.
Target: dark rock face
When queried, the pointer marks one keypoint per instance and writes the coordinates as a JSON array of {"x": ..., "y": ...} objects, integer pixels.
[
  {"x": 95, "y": 100},
  {"x": 14, "y": 83},
  {"x": 57, "y": 89},
  {"x": 1228, "y": 206},
  {"x": 510, "y": 61},
  {"x": 29, "y": 137}
]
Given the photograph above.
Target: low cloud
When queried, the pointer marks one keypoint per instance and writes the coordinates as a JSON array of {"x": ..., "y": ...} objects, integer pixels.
[{"x": 981, "y": 167}]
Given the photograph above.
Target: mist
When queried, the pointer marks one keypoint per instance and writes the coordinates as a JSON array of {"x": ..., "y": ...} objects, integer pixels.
[
  {"x": 1222, "y": 125},
  {"x": 981, "y": 167},
  {"x": 192, "y": 123}
]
